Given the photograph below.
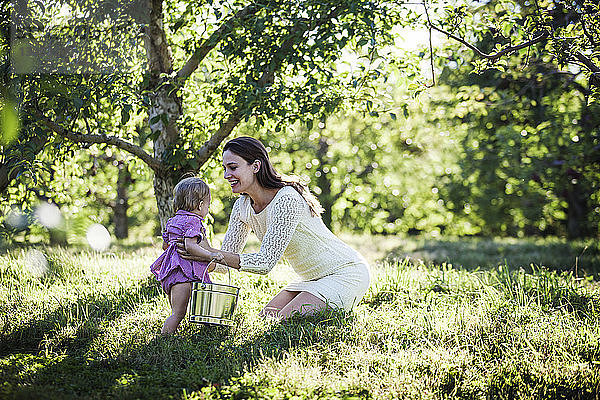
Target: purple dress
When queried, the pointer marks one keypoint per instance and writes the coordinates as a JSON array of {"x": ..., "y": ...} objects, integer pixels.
[{"x": 170, "y": 268}]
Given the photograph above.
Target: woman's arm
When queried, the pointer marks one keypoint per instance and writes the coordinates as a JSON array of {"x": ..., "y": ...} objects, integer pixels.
[
  {"x": 237, "y": 230},
  {"x": 285, "y": 217},
  {"x": 233, "y": 242}
]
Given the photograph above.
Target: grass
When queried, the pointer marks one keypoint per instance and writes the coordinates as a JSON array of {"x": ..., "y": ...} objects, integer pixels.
[
  {"x": 581, "y": 256},
  {"x": 87, "y": 327}
]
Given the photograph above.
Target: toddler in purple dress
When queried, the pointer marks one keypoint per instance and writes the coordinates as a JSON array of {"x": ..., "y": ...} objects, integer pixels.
[{"x": 191, "y": 198}]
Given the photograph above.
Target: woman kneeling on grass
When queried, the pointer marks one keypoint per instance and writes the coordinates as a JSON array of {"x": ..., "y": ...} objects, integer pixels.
[{"x": 286, "y": 218}]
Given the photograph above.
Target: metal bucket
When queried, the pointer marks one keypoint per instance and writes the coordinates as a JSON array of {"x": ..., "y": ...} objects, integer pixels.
[{"x": 213, "y": 303}]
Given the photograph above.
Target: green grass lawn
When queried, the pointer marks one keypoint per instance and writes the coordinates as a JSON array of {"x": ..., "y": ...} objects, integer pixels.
[{"x": 448, "y": 318}]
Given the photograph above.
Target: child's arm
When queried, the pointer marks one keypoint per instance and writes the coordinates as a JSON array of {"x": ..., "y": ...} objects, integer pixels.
[
  {"x": 165, "y": 245},
  {"x": 193, "y": 247}
]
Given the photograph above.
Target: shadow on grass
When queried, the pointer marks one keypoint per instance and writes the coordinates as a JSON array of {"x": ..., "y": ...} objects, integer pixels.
[
  {"x": 84, "y": 315},
  {"x": 164, "y": 367},
  {"x": 480, "y": 253}
]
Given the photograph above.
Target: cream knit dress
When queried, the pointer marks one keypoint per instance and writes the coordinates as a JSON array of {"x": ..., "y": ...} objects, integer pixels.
[{"x": 328, "y": 268}]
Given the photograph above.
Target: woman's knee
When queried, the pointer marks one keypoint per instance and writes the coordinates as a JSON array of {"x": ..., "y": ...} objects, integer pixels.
[
  {"x": 304, "y": 303},
  {"x": 278, "y": 302}
]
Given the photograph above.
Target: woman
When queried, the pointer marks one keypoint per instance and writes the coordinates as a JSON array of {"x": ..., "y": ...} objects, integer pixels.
[{"x": 286, "y": 218}]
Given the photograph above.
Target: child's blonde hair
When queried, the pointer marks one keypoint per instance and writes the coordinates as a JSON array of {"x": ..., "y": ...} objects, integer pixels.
[{"x": 189, "y": 194}]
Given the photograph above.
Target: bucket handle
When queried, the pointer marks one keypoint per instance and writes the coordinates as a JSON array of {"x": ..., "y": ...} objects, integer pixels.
[{"x": 206, "y": 270}]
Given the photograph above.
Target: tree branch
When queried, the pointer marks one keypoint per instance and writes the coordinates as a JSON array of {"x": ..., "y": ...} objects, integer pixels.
[
  {"x": 192, "y": 64},
  {"x": 582, "y": 58},
  {"x": 217, "y": 138},
  {"x": 430, "y": 44},
  {"x": 498, "y": 54},
  {"x": 103, "y": 139}
]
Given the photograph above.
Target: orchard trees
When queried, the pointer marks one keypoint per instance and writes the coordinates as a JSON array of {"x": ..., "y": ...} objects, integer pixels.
[
  {"x": 209, "y": 66},
  {"x": 530, "y": 116}
]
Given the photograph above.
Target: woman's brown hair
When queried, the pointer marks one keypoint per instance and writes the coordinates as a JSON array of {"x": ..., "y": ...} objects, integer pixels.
[{"x": 251, "y": 149}]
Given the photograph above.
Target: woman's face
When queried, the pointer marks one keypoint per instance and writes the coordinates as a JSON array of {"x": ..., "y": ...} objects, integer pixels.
[{"x": 238, "y": 172}]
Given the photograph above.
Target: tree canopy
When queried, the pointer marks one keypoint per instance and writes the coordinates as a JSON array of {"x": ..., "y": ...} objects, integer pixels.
[{"x": 166, "y": 82}]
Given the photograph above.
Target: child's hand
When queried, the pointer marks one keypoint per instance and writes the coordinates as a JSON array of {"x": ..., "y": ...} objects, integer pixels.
[{"x": 211, "y": 267}]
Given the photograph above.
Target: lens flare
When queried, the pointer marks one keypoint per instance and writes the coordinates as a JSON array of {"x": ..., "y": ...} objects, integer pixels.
[
  {"x": 98, "y": 237},
  {"x": 48, "y": 215},
  {"x": 36, "y": 263},
  {"x": 16, "y": 219}
]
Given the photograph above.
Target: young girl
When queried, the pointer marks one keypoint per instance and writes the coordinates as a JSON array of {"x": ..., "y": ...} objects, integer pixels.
[{"x": 191, "y": 198}]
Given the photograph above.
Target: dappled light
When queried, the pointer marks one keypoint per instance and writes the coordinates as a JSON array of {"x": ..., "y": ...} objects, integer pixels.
[
  {"x": 36, "y": 263},
  {"x": 95, "y": 326},
  {"x": 453, "y": 146}
]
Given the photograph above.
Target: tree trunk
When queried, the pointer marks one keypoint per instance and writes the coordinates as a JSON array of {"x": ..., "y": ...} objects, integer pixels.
[
  {"x": 121, "y": 202},
  {"x": 164, "y": 110},
  {"x": 577, "y": 212},
  {"x": 163, "y": 190},
  {"x": 578, "y": 192}
]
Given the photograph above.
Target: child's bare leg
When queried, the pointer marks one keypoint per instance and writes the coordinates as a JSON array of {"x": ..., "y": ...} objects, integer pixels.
[{"x": 179, "y": 297}]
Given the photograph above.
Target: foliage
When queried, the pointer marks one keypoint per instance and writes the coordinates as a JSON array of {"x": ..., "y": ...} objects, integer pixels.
[
  {"x": 88, "y": 327},
  {"x": 303, "y": 75},
  {"x": 372, "y": 174},
  {"x": 528, "y": 124},
  {"x": 209, "y": 66},
  {"x": 562, "y": 33}
]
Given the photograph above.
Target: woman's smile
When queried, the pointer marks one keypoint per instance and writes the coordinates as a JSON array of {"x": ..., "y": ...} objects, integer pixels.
[{"x": 238, "y": 172}]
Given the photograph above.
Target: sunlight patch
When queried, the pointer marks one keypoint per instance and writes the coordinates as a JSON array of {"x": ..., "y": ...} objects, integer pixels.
[{"x": 36, "y": 263}]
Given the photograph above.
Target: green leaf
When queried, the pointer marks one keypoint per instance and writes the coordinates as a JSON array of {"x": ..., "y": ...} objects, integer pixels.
[
  {"x": 10, "y": 124},
  {"x": 393, "y": 116},
  {"x": 309, "y": 124},
  {"x": 164, "y": 118},
  {"x": 178, "y": 25},
  {"x": 124, "y": 116},
  {"x": 506, "y": 28}
]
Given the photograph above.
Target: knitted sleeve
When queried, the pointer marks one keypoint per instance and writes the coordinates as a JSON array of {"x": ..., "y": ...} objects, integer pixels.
[
  {"x": 285, "y": 216},
  {"x": 237, "y": 231},
  {"x": 236, "y": 235}
]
